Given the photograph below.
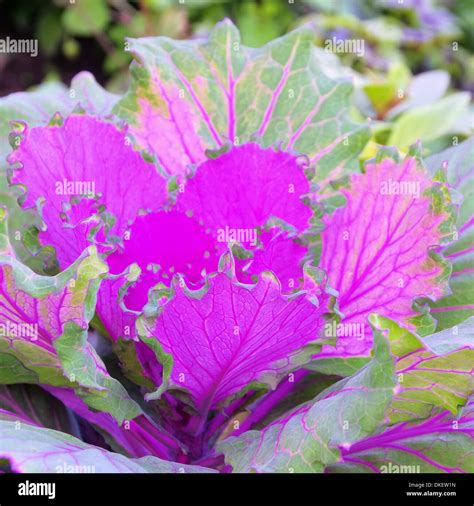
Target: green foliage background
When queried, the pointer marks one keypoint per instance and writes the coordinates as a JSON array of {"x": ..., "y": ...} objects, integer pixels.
[{"x": 79, "y": 35}]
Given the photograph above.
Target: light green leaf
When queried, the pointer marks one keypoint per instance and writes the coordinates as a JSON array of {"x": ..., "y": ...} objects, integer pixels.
[
  {"x": 426, "y": 380},
  {"x": 440, "y": 444},
  {"x": 34, "y": 107},
  {"x": 191, "y": 97},
  {"x": 91, "y": 96},
  {"x": 86, "y": 17},
  {"x": 341, "y": 366},
  {"x": 447, "y": 340},
  {"x": 428, "y": 122},
  {"x": 425, "y": 88},
  {"x": 44, "y": 326},
  {"x": 31, "y": 449},
  {"x": 308, "y": 438},
  {"x": 459, "y": 305}
]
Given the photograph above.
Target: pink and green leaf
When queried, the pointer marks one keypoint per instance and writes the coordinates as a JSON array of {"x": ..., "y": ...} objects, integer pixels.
[
  {"x": 426, "y": 379},
  {"x": 44, "y": 330},
  {"x": 309, "y": 438},
  {"x": 378, "y": 250},
  {"x": 71, "y": 174},
  {"x": 190, "y": 97},
  {"x": 30, "y": 449},
  {"x": 441, "y": 444},
  {"x": 37, "y": 108},
  {"x": 34, "y": 107}
]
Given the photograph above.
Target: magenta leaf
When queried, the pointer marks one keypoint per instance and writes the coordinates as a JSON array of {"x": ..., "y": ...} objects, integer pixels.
[
  {"x": 378, "y": 249},
  {"x": 229, "y": 337},
  {"x": 238, "y": 193},
  {"x": 243, "y": 189},
  {"x": 279, "y": 252},
  {"x": 208, "y": 217},
  {"x": 71, "y": 172},
  {"x": 175, "y": 243}
]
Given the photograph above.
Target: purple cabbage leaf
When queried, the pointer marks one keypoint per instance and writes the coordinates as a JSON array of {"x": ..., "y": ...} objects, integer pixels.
[{"x": 198, "y": 276}]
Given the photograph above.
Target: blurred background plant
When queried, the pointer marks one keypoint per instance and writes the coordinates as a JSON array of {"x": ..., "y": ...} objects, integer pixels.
[{"x": 412, "y": 79}]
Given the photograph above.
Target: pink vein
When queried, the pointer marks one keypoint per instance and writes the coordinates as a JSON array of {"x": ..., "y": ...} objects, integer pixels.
[
  {"x": 278, "y": 90},
  {"x": 198, "y": 103}
]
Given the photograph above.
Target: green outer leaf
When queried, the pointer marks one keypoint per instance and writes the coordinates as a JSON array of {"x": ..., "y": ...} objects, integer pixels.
[
  {"x": 307, "y": 439},
  {"x": 163, "y": 358},
  {"x": 426, "y": 380},
  {"x": 340, "y": 366},
  {"x": 11, "y": 367},
  {"x": 428, "y": 122},
  {"x": 126, "y": 352},
  {"x": 35, "y": 450},
  {"x": 203, "y": 94},
  {"x": 35, "y": 108},
  {"x": 23, "y": 226},
  {"x": 87, "y": 17},
  {"x": 453, "y": 309},
  {"x": 442, "y": 444},
  {"x": 75, "y": 363},
  {"x": 306, "y": 389},
  {"x": 452, "y": 339},
  {"x": 91, "y": 96}
]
